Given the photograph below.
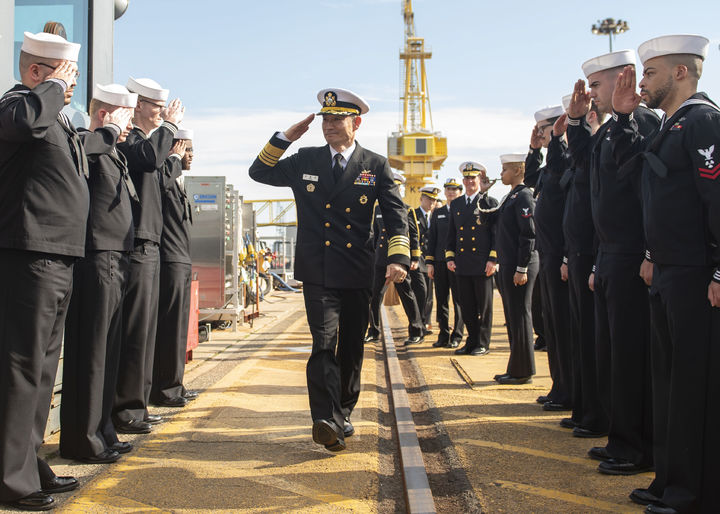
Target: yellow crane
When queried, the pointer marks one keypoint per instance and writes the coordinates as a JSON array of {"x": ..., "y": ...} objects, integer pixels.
[{"x": 415, "y": 148}]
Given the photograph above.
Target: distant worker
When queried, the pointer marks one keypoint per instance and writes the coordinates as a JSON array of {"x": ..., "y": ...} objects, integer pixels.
[
  {"x": 421, "y": 283},
  {"x": 335, "y": 189}
]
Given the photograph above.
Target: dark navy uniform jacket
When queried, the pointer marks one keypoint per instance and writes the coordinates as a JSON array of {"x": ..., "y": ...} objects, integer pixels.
[
  {"x": 470, "y": 240},
  {"x": 438, "y": 235},
  {"x": 422, "y": 225},
  {"x": 177, "y": 215},
  {"x": 515, "y": 230},
  {"x": 380, "y": 239},
  {"x": 578, "y": 227},
  {"x": 334, "y": 245},
  {"x": 43, "y": 190},
  {"x": 680, "y": 163}
]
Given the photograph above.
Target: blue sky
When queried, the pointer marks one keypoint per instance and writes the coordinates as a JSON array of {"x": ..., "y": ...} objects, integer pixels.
[{"x": 246, "y": 68}]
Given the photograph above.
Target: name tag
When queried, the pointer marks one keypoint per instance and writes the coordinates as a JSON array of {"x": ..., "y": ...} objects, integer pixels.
[
  {"x": 441, "y": 216},
  {"x": 378, "y": 215},
  {"x": 312, "y": 178}
]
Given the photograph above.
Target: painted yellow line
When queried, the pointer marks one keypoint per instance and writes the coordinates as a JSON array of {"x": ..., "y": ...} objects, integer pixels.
[
  {"x": 544, "y": 422},
  {"x": 529, "y": 451},
  {"x": 566, "y": 497}
]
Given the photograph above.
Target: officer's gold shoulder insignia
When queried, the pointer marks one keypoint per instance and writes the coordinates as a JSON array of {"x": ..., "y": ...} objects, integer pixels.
[
  {"x": 310, "y": 188},
  {"x": 363, "y": 199},
  {"x": 330, "y": 99}
]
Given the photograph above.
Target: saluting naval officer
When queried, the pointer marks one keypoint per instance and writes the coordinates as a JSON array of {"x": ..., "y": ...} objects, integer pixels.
[
  {"x": 622, "y": 311},
  {"x": 471, "y": 256},
  {"x": 680, "y": 171},
  {"x": 175, "y": 279},
  {"x": 335, "y": 188},
  {"x": 445, "y": 281},
  {"x": 146, "y": 149},
  {"x": 421, "y": 282},
  {"x": 416, "y": 329},
  {"x": 94, "y": 320},
  {"x": 43, "y": 213}
]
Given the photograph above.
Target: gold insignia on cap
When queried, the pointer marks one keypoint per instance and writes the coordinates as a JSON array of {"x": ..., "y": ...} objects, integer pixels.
[
  {"x": 469, "y": 167},
  {"x": 310, "y": 188},
  {"x": 330, "y": 99},
  {"x": 363, "y": 199}
]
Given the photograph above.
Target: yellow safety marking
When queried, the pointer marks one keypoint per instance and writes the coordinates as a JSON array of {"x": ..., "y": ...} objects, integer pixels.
[
  {"x": 529, "y": 451},
  {"x": 532, "y": 421},
  {"x": 338, "y": 501},
  {"x": 566, "y": 497}
]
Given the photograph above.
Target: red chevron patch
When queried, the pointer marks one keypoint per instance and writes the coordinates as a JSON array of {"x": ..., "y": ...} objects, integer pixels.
[{"x": 712, "y": 174}]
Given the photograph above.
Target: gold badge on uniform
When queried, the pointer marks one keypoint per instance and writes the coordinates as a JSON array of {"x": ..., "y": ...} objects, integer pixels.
[
  {"x": 330, "y": 99},
  {"x": 363, "y": 199},
  {"x": 310, "y": 188}
]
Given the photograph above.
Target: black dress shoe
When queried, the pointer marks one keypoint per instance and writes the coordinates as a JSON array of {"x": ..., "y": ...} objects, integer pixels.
[
  {"x": 190, "y": 394},
  {"x": 478, "y": 351},
  {"x": 122, "y": 447},
  {"x": 622, "y": 467},
  {"x": 134, "y": 426},
  {"x": 440, "y": 344},
  {"x": 454, "y": 343},
  {"x": 371, "y": 338},
  {"x": 59, "y": 485},
  {"x": 644, "y": 497},
  {"x": 587, "y": 433},
  {"x": 542, "y": 399},
  {"x": 414, "y": 340},
  {"x": 327, "y": 433},
  {"x": 35, "y": 501},
  {"x": 463, "y": 350},
  {"x": 427, "y": 332},
  {"x": 348, "y": 429},
  {"x": 514, "y": 380},
  {"x": 552, "y": 406},
  {"x": 107, "y": 456},
  {"x": 178, "y": 401},
  {"x": 153, "y": 419},
  {"x": 540, "y": 344},
  {"x": 599, "y": 453},
  {"x": 568, "y": 423},
  {"x": 660, "y": 509},
  {"x": 501, "y": 375}
]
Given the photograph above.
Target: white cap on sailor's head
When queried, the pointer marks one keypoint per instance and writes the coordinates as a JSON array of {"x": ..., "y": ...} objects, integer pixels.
[
  {"x": 471, "y": 168},
  {"x": 341, "y": 102},
  {"x": 50, "y": 46},
  {"x": 431, "y": 191},
  {"x": 566, "y": 101},
  {"x": 674, "y": 44},
  {"x": 608, "y": 61},
  {"x": 549, "y": 113},
  {"x": 512, "y": 158},
  {"x": 398, "y": 178},
  {"x": 148, "y": 88},
  {"x": 184, "y": 133},
  {"x": 451, "y": 182},
  {"x": 115, "y": 94}
]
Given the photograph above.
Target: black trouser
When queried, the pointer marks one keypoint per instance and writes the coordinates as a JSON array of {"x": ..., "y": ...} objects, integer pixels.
[
  {"x": 445, "y": 282},
  {"x": 338, "y": 319},
  {"x": 683, "y": 334},
  {"x": 407, "y": 298},
  {"x": 427, "y": 311},
  {"x": 140, "y": 309},
  {"x": 537, "y": 311},
  {"x": 711, "y": 470},
  {"x": 172, "y": 331},
  {"x": 92, "y": 351},
  {"x": 419, "y": 282},
  {"x": 34, "y": 296},
  {"x": 556, "y": 317},
  {"x": 517, "y": 302},
  {"x": 588, "y": 411},
  {"x": 622, "y": 337},
  {"x": 475, "y": 297}
]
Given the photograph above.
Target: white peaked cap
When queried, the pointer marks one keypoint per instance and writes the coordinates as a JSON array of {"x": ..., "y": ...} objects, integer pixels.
[
  {"x": 184, "y": 133},
  {"x": 471, "y": 168},
  {"x": 148, "y": 88},
  {"x": 675, "y": 44},
  {"x": 608, "y": 61},
  {"x": 510, "y": 158},
  {"x": 115, "y": 94},
  {"x": 50, "y": 46},
  {"x": 398, "y": 177},
  {"x": 566, "y": 101},
  {"x": 431, "y": 191},
  {"x": 549, "y": 113},
  {"x": 342, "y": 102}
]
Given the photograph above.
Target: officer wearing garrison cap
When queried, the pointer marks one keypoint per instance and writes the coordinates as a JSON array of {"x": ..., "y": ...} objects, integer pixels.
[
  {"x": 679, "y": 166},
  {"x": 622, "y": 320},
  {"x": 335, "y": 188},
  {"x": 444, "y": 280},
  {"x": 43, "y": 214},
  {"x": 471, "y": 256},
  {"x": 421, "y": 282}
]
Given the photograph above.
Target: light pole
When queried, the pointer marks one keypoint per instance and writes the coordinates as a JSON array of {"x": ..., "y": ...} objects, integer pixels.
[{"x": 609, "y": 27}]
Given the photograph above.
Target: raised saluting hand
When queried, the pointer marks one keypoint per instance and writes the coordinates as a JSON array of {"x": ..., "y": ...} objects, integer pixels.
[
  {"x": 174, "y": 112},
  {"x": 297, "y": 130},
  {"x": 625, "y": 98},
  {"x": 580, "y": 102}
]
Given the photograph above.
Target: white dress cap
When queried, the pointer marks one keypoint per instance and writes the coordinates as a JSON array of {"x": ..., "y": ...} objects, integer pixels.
[
  {"x": 608, "y": 61},
  {"x": 341, "y": 102},
  {"x": 50, "y": 46},
  {"x": 451, "y": 182},
  {"x": 675, "y": 44},
  {"x": 115, "y": 94},
  {"x": 397, "y": 177},
  {"x": 430, "y": 191},
  {"x": 148, "y": 88},
  {"x": 471, "y": 168},
  {"x": 566, "y": 101},
  {"x": 549, "y": 113},
  {"x": 184, "y": 133},
  {"x": 511, "y": 158}
]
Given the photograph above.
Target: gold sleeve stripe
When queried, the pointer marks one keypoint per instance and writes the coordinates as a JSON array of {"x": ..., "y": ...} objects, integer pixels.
[
  {"x": 268, "y": 156},
  {"x": 448, "y": 253},
  {"x": 493, "y": 253},
  {"x": 400, "y": 240},
  {"x": 416, "y": 253},
  {"x": 266, "y": 162},
  {"x": 273, "y": 150},
  {"x": 398, "y": 250}
]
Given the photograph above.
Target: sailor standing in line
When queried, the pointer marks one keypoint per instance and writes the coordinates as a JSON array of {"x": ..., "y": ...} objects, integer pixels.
[
  {"x": 421, "y": 282},
  {"x": 146, "y": 149},
  {"x": 175, "y": 279},
  {"x": 471, "y": 256},
  {"x": 335, "y": 189},
  {"x": 43, "y": 213},
  {"x": 444, "y": 280},
  {"x": 622, "y": 310},
  {"x": 680, "y": 171},
  {"x": 94, "y": 320}
]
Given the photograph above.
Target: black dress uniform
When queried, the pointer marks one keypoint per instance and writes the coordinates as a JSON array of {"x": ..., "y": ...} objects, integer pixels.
[
  {"x": 43, "y": 212},
  {"x": 445, "y": 280},
  {"x": 532, "y": 174},
  {"x": 470, "y": 243},
  {"x": 515, "y": 243},
  {"x": 550, "y": 245},
  {"x": 416, "y": 326},
  {"x": 145, "y": 156},
  {"x": 680, "y": 165},
  {"x": 334, "y": 258},
  {"x": 622, "y": 312},
  {"x": 421, "y": 283},
  {"x": 175, "y": 281},
  {"x": 94, "y": 322}
]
